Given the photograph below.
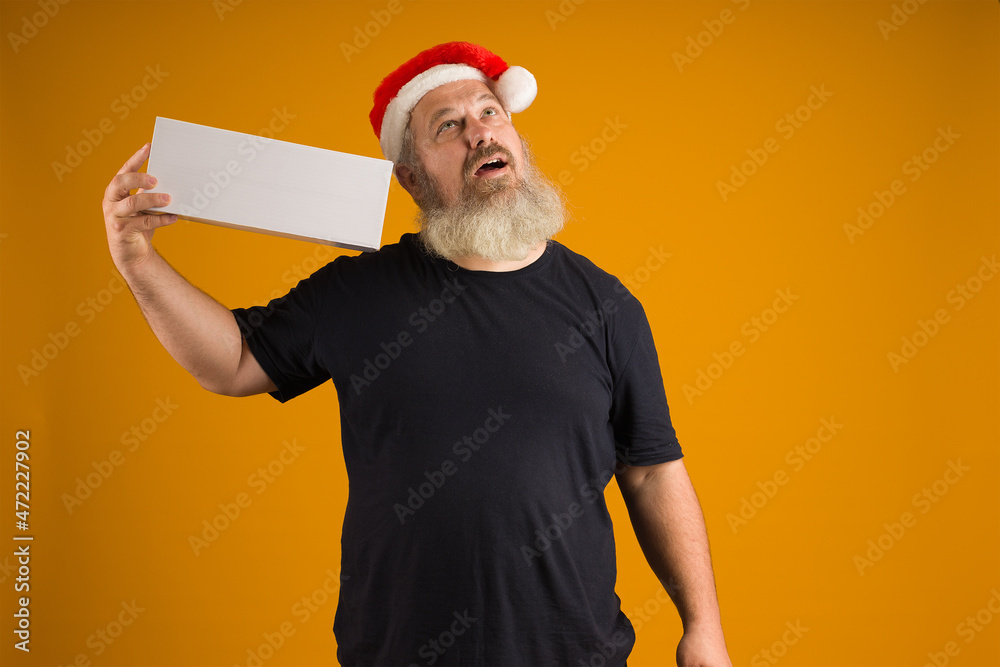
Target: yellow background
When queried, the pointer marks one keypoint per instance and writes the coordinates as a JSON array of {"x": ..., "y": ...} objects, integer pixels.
[{"x": 653, "y": 186}]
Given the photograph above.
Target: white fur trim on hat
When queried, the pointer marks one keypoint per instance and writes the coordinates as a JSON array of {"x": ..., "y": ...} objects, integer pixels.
[{"x": 397, "y": 114}]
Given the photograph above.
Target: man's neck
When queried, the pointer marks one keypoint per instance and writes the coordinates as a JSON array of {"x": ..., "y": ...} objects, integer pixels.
[{"x": 477, "y": 263}]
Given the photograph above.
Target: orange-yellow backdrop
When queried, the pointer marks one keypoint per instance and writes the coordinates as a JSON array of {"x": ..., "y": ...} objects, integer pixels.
[{"x": 847, "y": 459}]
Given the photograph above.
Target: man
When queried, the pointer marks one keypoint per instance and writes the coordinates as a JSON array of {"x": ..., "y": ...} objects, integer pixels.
[{"x": 491, "y": 382}]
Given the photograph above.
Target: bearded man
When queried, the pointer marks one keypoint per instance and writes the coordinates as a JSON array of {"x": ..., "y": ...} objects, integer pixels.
[{"x": 491, "y": 382}]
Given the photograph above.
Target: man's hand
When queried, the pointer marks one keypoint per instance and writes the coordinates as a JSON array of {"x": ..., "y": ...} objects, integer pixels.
[
  {"x": 703, "y": 648},
  {"x": 129, "y": 232}
]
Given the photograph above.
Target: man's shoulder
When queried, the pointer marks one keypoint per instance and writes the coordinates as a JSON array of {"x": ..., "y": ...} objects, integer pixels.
[
  {"x": 585, "y": 266},
  {"x": 407, "y": 247},
  {"x": 607, "y": 289},
  {"x": 402, "y": 255}
]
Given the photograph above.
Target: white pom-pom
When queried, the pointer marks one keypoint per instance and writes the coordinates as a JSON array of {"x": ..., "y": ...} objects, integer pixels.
[{"x": 516, "y": 89}]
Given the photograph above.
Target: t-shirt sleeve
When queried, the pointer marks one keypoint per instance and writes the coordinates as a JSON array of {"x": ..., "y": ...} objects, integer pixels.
[
  {"x": 282, "y": 336},
  {"x": 644, "y": 434}
]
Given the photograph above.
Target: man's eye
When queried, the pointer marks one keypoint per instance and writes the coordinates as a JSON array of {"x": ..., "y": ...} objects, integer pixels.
[
  {"x": 447, "y": 125},
  {"x": 490, "y": 112}
]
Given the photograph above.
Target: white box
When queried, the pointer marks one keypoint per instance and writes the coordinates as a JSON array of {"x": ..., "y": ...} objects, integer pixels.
[{"x": 266, "y": 185}]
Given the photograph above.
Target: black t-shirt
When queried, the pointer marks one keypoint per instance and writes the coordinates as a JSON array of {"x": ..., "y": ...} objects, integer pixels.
[{"x": 482, "y": 414}]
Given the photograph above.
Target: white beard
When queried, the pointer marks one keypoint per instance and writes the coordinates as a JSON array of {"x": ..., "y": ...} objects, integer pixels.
[{"x": 493, "y": 218}]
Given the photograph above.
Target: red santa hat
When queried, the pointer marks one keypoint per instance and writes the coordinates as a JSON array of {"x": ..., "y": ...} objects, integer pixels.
[{"x": 399, "y": 92}]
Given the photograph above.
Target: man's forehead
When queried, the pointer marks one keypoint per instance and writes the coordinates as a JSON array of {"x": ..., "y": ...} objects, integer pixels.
[{"x": 449, "y": 96}]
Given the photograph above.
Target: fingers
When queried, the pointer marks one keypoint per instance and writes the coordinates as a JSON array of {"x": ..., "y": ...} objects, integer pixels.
[
  {"x": 144, "y": 223},
  {"x": 128, "y": 177},
  {"x": 152, "y": 221},
  {"x": 130, "y": 206},
  {"x": 121, "y": 184},
  {"x": 134, "y": 162}
]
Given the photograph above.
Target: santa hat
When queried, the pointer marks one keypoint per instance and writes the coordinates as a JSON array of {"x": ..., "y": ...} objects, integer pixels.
[{"x": 455, "y": 61}]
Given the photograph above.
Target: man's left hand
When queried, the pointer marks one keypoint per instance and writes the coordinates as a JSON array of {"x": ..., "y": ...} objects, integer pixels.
[{"x": 703, "y": 648}]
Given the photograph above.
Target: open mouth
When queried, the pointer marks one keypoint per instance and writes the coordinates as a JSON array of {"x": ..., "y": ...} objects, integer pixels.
[{"x": 492, "y": 165}]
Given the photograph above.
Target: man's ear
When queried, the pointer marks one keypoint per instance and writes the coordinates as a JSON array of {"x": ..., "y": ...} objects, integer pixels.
[{"x": 406, "y": 178}]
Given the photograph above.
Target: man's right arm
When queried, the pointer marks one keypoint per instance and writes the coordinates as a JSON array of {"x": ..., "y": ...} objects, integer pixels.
[{"x": 199, "y": 332}]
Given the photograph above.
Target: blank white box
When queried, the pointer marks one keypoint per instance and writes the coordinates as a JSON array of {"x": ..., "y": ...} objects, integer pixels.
[{"x": 249, "y": 182}]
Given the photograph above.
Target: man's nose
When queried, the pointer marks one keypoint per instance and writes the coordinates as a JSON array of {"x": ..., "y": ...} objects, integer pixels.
[{"x": 478, "y": 133}]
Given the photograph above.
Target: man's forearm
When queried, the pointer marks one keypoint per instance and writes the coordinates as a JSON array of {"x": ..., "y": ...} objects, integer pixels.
[
  {"x": 199, "y": 333},
  {"x": 670, "y": 527}
]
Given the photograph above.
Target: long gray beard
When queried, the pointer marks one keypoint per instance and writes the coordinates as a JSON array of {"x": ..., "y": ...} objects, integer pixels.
[{"x": 497, "y": 220}]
